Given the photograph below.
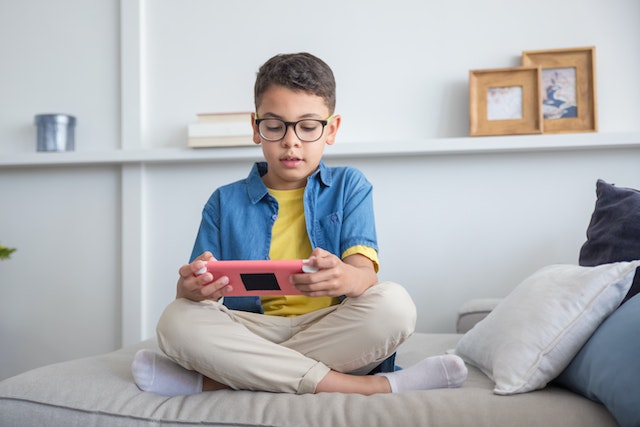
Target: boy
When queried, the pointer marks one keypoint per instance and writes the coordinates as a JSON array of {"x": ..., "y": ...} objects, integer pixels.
[{"x": 290, "y": 207}]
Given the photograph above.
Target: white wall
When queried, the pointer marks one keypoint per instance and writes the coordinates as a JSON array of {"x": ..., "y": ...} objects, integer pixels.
[
  {"x": 59, "y": 293},
  {"x": 401, "y": 67},
  {"x": 463, "y": 226},
  {"x": 60, "y": 297},
  {"x": 60, "y": 56}
]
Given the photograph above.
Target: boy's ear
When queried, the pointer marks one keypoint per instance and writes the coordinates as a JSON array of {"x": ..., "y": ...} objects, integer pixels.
[
  {"x": 256, "y": 134},
  {"x": 332, "y": 129}
]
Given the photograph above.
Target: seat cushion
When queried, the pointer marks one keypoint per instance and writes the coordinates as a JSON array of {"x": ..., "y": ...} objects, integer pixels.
[{"x": 100, "y": 391}]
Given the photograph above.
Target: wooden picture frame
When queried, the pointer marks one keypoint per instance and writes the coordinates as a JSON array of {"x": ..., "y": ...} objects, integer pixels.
[
  {"x": 568, "y": 95},
  {"x": 505, "y": 101}
]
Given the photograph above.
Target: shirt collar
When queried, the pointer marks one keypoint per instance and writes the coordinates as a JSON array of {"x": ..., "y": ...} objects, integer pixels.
[
  {"x": 257, "y": 190},
  {"x": 324, "y": 175}
]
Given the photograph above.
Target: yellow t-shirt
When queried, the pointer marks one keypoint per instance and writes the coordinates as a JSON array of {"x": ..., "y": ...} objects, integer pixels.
[{"x": 289, "y": 240}]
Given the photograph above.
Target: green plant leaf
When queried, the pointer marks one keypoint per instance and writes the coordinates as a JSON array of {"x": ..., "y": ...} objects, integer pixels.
[{"x": 6, "y": 252}]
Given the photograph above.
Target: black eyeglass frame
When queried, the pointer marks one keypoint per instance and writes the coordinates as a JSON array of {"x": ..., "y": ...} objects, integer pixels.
[{"x": 324, "y": 123}]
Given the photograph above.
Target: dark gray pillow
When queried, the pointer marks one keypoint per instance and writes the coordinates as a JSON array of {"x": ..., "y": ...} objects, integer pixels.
[{"x": 613, "y": 234}]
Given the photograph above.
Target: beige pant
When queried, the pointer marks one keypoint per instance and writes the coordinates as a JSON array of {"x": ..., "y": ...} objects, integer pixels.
[{"x": 251, "y": 351}]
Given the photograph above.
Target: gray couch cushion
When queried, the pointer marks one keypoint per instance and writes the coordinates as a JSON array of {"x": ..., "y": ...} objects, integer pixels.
[{"x": 100, "y": 391}]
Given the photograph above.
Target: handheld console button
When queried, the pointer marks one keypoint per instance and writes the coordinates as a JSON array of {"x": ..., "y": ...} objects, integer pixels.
[{"x": 306, "y": 268}]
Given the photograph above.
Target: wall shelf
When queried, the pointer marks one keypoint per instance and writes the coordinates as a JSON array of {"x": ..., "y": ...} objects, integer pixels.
[{"x": 425, "y": 147}]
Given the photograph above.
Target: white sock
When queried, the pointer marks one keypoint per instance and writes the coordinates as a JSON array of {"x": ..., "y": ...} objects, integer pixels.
[
  {"x": 446, "y": 371},
  {"x": 158, "y": 374}
]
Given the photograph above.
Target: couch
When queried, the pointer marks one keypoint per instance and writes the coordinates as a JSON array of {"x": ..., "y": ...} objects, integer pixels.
[
  {"x": 100, "y": 391},
  {"x": 561, "y": 349}
]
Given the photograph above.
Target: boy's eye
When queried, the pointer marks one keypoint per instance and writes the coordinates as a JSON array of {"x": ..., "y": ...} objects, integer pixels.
[
  {"x": 308, "y": 126},
  {"x": 275, "y": 127}
]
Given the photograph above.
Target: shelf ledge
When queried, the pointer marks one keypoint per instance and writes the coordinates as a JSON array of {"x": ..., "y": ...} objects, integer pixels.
[{"x": 425, "y": 147}]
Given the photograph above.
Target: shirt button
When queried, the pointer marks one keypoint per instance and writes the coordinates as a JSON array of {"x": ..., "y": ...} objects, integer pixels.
[
  {"x": 274, "y": 217},
  {"x": 334, "y": 217}
]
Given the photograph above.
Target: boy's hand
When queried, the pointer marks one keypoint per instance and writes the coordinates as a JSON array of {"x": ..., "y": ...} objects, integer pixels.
[
  {"x": 196, "y": 285},
  {"x": 335, "y": 277}
]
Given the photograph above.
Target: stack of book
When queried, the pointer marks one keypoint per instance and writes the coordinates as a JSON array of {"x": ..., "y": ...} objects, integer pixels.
[{"x": 221, "y": 130}]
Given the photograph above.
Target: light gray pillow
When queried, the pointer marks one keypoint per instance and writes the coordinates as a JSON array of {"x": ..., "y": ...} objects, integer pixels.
[{"x": 533, "y": 334}]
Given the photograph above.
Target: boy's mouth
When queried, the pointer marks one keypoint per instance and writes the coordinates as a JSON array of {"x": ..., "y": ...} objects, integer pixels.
[{"x": 291, "y": 162}]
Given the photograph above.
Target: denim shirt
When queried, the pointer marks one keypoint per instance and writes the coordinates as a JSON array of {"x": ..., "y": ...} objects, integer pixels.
[{"x": 238, "y": 218}]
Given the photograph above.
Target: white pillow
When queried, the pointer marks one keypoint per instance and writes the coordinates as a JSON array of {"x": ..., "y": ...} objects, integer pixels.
[{"x": 533, "y": 334}]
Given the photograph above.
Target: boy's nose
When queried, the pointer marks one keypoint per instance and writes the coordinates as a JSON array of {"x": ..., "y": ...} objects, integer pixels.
[{"x": 290, "y": 138}]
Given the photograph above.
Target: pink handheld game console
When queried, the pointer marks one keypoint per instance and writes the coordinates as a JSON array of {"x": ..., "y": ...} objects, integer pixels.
[{"x": 261, "y": 277}]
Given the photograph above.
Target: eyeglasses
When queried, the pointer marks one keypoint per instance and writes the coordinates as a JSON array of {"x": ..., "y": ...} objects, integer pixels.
[{"x": 307, "y": 130}]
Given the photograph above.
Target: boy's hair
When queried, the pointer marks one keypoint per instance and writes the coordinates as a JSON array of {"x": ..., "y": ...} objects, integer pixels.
[{"x": 297, "y": 71}]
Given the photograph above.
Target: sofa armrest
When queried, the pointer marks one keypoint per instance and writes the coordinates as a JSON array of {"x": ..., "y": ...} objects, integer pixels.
[{"x": 473, "y": 311}]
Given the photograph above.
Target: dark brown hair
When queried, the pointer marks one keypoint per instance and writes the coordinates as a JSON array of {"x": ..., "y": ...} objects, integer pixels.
[{"x": 297, "y": 71}]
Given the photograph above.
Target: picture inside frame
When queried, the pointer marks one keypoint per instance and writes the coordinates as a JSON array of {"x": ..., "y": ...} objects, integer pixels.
[
  {"x": 568, "y": 88},
  {"x": 559, "y": 96},
  {"x": 504, "y": 103}
]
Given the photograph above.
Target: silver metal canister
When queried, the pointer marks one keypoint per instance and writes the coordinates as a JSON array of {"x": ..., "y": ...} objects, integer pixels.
[{"x": 56, "y": 132}]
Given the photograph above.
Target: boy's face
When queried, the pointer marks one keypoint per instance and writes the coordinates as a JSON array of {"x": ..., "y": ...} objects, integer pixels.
[{"x": 291, "y": 160}]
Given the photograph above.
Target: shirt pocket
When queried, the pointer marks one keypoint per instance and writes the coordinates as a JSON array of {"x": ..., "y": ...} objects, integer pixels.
[{"x": 327, "y": 232}]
